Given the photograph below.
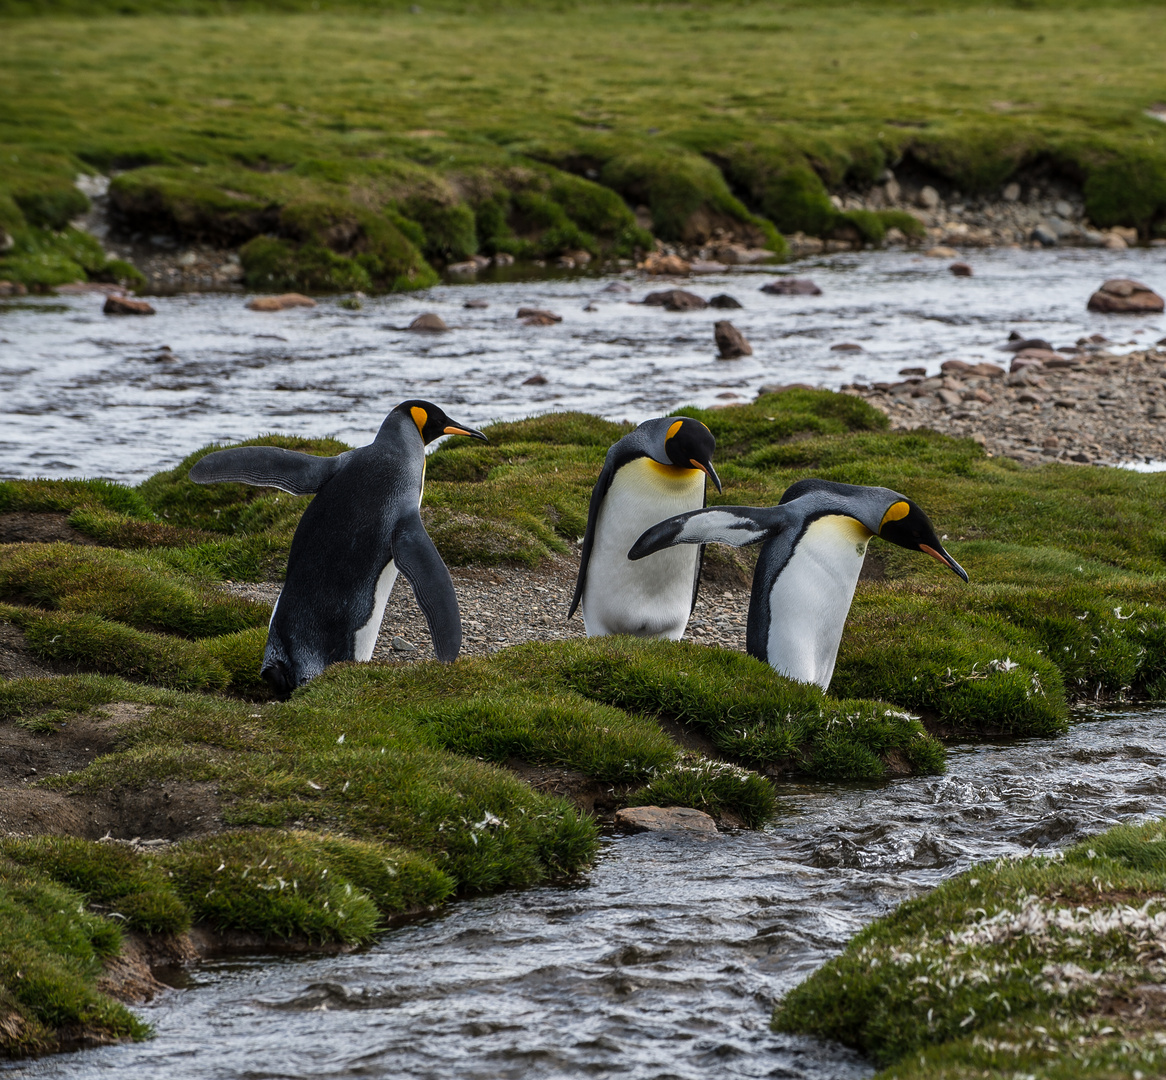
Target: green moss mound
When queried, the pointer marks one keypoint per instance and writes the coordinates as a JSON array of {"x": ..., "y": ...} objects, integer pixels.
[{"x": 1012, "y": 966}]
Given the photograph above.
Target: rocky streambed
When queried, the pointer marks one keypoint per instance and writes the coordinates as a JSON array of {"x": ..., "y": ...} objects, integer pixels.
[{"x": 1084, "y": 404}]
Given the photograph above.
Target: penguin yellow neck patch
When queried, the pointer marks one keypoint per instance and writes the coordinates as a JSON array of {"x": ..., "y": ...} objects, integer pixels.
[
  {"x": 897, "y": 512},
  {"x": 420, "y": 418},
  {"x": 674, "y": 429},
  {"x": 674, "y": 472}
]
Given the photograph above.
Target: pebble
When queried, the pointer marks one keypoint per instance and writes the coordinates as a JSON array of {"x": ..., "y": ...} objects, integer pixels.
[
  {"x": 476, "y": 304},
  {"x": 960, "y": 269}
]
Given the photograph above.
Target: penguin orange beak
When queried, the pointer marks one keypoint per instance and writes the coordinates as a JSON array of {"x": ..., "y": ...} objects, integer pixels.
[
  {"x": 708, "y": 470},
  {"x": 945, "y": 559},
  {"x": 453, "y": 429}
]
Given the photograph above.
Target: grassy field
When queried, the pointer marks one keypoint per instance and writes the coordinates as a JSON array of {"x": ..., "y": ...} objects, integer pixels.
[
  {"x": 1048, "y": 968},
  {"x": 371, "y": 146}
]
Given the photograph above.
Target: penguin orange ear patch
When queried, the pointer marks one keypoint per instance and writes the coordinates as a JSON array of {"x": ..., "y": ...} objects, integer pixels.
[
  {"x": 897, "y": 512},
  {"x": 674, "y": 429},
  {"x": 420, "y": 418}
]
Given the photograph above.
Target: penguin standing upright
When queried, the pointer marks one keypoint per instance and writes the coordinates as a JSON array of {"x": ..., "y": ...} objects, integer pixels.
[
  {"x": 654, "y": 472},
  {"x": 814, "y": 545},
  {"x": 363, "y": 526}
]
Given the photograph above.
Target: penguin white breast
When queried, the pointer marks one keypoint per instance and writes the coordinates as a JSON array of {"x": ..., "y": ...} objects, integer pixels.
[
  {"x": 651, "y": 597},
  {"x": 811, "y": 598},
  {"x": 365, "y": 638}
]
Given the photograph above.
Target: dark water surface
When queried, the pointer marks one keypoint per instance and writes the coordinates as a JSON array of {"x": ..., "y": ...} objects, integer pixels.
[
  {"x": 86, "y": 394},
  {"x": 666, "y": 962}
]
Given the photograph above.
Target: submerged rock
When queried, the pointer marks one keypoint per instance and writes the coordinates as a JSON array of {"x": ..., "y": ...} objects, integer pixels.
[
  {"x": 280, "y": 303},
  {"x": 725, "y": 302},
  {"x": 670, "y": 819},
  {"x": 428, "y": 323},
  {"x": 792, "y": 286},
  {"x": 123, "y": 305}
]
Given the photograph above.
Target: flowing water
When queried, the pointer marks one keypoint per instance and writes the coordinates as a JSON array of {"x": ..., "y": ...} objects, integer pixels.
[
  {"x": 665, "y": 963},
  {"x": 85, "y": 394}
]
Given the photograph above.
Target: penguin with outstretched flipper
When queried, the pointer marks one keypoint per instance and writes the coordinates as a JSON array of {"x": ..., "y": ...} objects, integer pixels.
[
  {"x": 814, "y": 545},
  {"x": 362, "y": 528},
  {"x": 652, "y": 473}
]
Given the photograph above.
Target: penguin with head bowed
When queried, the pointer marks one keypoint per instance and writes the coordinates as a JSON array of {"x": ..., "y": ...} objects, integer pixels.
[
  {"x": 656, "y": 471},
  {"x": 362, "y": 528},
  {"x": 814, "y": 544}
]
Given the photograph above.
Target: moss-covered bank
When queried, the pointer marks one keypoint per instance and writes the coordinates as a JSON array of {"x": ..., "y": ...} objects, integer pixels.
[
  {"x": 1049, "y": 967},
  {"x": 368, "y": 145}
]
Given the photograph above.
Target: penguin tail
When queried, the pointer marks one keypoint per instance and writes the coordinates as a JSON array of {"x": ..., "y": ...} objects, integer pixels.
[
  {"x": 279, "y": 677},
  {"x": 736, "y": 526}
]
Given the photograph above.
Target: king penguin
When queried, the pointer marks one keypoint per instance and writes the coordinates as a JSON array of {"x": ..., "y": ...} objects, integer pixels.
[
  {"x": 815, "y": 542},
  {"x": 362, "y": 528},
  {"x": 654, "y": 472}
]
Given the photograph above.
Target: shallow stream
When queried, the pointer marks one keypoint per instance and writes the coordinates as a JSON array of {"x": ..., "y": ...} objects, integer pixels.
[
  {"x": 665, "y": 963},
  {"x": 86, "y": 394}
]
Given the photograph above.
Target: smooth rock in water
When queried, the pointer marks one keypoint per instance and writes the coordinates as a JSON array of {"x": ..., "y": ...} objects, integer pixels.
[
  {"x": 281, "y": 303},
  {"x": 476, "y": 304},
  {"x": 706, "y": 266},
  {"x": 1114, "y": 242},
  {"x": 538, "y": 316},
  {"x": 401, "y": 645},
  {"x": 928, "y": 198},
  {"x": 792, "y": 286},
  {"x": 462, "y": 269},
  {"x": 724, "y": 301},
  {"x": 739, "y": 255},
  {"x": 503, "y": 258},
  {"x": 580, "y": 257},
  {"x": 923, "y": 371},
  {"x": 428, "y": 324},
  {"x": 1162, "y": 341},
  {"x": 847, "y": 346},
  {"x": 665, "y": 264},
  {"x": 616, "y": 287},
  {"x": 123, "y": 305},
  {"x": 961, "y": 269},
  {"x": 12, "y": 288},
  {"x": 1018, "y": 344},
  {"x": 1045, "y": 235},
  {"x": 1122, "y": 295},
  {"x": 639, "y": 819},
  {"x": 676, "y": 300},
  {"x": 731, "y": 342},
  {"x": 535, "y": 380},
  {"x": 941, "y": 252}
]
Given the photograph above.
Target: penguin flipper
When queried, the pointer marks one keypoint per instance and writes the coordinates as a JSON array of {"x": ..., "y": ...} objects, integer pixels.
[
  {"x": 597, "y": 496},
  {"x": 736, "y": 526},
  {"x": 417, "y": 558},
  {"x": 266, "y": 466}
]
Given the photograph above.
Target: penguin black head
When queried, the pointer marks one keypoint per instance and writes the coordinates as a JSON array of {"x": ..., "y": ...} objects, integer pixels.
[
  {"x": 905, "y": 524},
  {"x": 432, "y": 422},
  {"x": 690, "y": 445}
]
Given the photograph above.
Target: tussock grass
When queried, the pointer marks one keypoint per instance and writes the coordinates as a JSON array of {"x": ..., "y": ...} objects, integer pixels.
[
  {"x": 1036, "y": 966},
  {"x": 51, "y": 950}
]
